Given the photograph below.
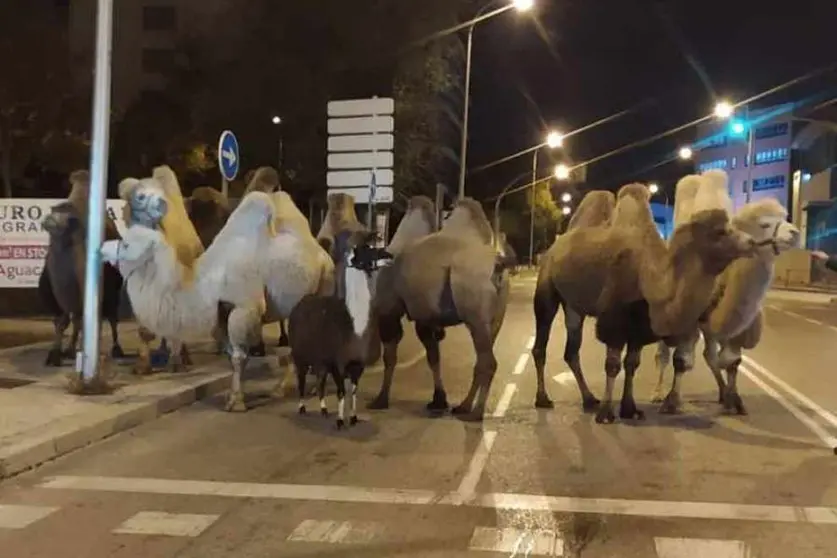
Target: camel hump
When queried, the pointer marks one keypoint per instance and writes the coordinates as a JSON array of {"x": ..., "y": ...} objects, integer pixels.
[
  {"x": 263, "y": 179},
  {"x": 595, "y": 210},
  {"x": 638, "y": 192},
  {"x": 468, "y": 216},
  {"x": 713, "y": 192},
  {"x": 632, "y": 207},
  {"x": 684, "y": 198}
]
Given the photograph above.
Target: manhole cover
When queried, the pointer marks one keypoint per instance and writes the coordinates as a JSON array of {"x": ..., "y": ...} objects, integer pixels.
[{"x": 11, "y": 383}]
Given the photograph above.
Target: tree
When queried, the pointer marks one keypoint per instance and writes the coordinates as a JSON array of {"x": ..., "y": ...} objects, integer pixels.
[
  {"x": 548, "y": 215},
  {"x": 41, "y": 112}
]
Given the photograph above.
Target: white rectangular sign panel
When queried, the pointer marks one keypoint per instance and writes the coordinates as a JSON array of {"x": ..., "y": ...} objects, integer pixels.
[
  {"x": 367, "y": 142},
  {"x": 23, "y": 241},
  {"x": 367, "y": 160},
  {"x": 361, "y": 107},
  {"x": 383, "y": 194},
  {"x": 351, "y": 178},
  {"x": 361, "y": 125}
]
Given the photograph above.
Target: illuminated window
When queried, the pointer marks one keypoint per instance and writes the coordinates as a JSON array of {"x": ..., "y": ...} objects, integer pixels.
[
  {"x": 769, "y": 182},
  {"x": 772, "y": 130},
  {"x": 771, "y": 156},
  {"x": 709, "y": 165}
]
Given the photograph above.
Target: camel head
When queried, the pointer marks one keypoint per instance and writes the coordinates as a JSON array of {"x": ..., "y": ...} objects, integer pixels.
[
  {"x": 766, "y": 221},
  {"x": 263, "y": 179},
  {"x": 710, "y": 235},
  {"x": 145, "y": 199},
  {"x": 136, "y": 248},
  {"x": 468, "y": 217},
  {"x": 418, "y": 222},
  {"x": 62, "y": 223},
  {"x": 356, "y": 270}
]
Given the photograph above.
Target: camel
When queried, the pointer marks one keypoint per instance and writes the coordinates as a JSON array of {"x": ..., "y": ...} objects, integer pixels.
[
  {"x": 612, "y": 264},
  {"x": 61, "y": 285},
  {"x": 172, "y": 217},
  {"x": 330, "y": 334},
  {"x": 260, "y": 264},
  {"x": 733, "y": 320},
  {"x": 446, "y": 278}
]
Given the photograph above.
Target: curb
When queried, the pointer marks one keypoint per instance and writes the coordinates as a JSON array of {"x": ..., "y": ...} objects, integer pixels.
[{"x": 61, "y": 438}]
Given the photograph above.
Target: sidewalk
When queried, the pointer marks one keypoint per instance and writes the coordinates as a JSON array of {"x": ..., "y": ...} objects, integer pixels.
[{"x": 40, "y": 421}]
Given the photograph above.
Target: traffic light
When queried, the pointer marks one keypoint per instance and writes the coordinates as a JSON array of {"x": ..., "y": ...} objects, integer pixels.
[{"x": 737, "y": 128}]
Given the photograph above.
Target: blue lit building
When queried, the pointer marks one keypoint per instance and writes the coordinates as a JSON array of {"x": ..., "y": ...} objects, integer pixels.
[{"x": 663, "y": 216}]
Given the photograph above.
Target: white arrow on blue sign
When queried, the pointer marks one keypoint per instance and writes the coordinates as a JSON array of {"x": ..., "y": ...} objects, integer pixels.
[{"x": 228, "y": 156}]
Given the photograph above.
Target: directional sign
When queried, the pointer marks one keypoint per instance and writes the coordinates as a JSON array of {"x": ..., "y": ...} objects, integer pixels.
[
  {"x": 363, "y": 160},
  {"x": 360, "y": 107},
  {"x": 372, "y": 142},
  {"x": 361, "y": 125},
  {"x": 383, "y": 194},
  {"x": 228, "y": 155},
  {"x": 356, "y": 178}
]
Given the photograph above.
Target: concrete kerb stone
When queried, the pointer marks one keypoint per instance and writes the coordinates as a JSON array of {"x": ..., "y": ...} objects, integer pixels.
[{"x": 62, "y": 437}]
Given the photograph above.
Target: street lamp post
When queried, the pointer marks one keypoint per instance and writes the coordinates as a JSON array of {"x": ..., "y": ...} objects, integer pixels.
[
  {"x": 521, "y": 6},
  {"x": 553, "y": 140},
  {"x": 277, "y": 120},
  {"x": 724, "y": 110}
]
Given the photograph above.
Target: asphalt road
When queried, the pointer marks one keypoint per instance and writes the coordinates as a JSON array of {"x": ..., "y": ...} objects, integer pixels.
[{"x": 201, "y": 483}]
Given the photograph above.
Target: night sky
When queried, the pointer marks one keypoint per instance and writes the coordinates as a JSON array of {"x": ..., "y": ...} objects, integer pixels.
[{"x": 581, "y": 60}]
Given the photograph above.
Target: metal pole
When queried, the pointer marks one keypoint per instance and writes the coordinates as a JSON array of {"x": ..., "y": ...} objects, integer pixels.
[
  {"x": 440, "y": 201},
  {"x": 87, "y": 362},
  {"x": 497, "y": 221},
  {"x": 463, "y": 151},
  {"x": 225, "y": 187},
  {"x": 532, "y": 209},
  {"x": 751, "y": 140},
  {"x": 281, "y": 150}
]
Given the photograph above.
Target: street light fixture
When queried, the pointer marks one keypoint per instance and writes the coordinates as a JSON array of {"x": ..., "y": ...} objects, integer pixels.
[
  {"x": 520, "y": 6},
  {"x": 724, "y": 110},
  {"x": 566, "y": 210},
  {"x": 685, "y": 153},
  {"x": 653, "y": 188},
  {"x": 562, "y": 172},
  {"x": 554, "y": 139},
  {"x": 277, "y": 120},
  {"x": 566, "y": 197}
]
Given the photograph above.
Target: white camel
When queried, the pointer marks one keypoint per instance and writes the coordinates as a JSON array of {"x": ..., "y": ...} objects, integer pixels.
[{"x": 732, "y": 323}]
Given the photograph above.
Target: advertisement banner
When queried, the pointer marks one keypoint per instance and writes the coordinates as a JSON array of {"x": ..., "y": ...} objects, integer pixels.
[{"x": 23, "y": 241}]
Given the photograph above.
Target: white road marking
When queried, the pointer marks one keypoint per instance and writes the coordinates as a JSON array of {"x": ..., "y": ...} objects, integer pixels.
[
  {"x": 827, "y": 439},
  {"x": 794, "y": 314},
  {"x": 700, "y": 548},
  {"x": 468, "y": 486},
  {"x": 530, "y": 343},
  {"x": 505, "y": 400},
  {"x": 14, "y": 516},
  {"x": 800, "y": 397},
  {"x": 564, "y": 378},
  {"x": 406, "y": 364},
  {"x": 167, "y": 524},
  {"x": 813, "y": 321},
  {"x": 522, "y": 361},
  {"x": 833, "y": 328},
  {"x": 336, "y": 532},
  {"x": 518, "y": 542},
  {"x": 532, "y": 502}
]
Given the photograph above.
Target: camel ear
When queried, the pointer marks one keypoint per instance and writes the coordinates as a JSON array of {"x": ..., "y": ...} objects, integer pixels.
[{"x": 126, "y": 186}]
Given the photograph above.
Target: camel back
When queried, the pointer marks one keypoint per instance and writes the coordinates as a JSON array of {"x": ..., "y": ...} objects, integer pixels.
[
  {"x": 419, "y": 221},
  {"x": 595, "y": 210},
  {"x": 468, "y": 218}
]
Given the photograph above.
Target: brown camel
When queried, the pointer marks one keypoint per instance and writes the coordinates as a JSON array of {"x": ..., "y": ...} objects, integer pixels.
[
  {"x": 613, "y": 265},
  {"x": 447, "y": 278}
]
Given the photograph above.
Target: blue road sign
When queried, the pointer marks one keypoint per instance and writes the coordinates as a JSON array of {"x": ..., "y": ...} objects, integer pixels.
[{"x": 228, "y": 157}]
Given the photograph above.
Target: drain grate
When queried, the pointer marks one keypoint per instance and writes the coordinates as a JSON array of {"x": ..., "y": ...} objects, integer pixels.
[{"x": 11, "y": 383}]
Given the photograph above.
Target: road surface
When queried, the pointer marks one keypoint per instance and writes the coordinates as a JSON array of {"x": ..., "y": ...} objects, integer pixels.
[{"x": 201, "y": 483}]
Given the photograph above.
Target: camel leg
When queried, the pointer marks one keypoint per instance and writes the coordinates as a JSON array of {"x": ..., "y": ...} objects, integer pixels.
[
  {"x": 185, "y": 355},
  {"x": 572, "y": 351},
  {"x": 283, "y": 334},
  {"x": 662, "y": 360},
  {"x": 55, "y": 354},
  {"x": 143, "y": 365},
  {"x": 354, "y": 370},
  {"x": 235, "y": 402},
  {"x": 427, "y": 335},
  {"x": 545, "y": 305},
  {"x": 115, "y": 348},
  {"x": 241, "y": 323},
  {"x": 730, "y": 359},
  {"x": 627, "y": 408},
  {"x": 684, "y": 360},
  {"x": 339, "y": 381},
  {"x": 321, "y": 383},
  {"x": 259, "y": 349},
  {"x": 612, "y": 368},
  {"x": 77, "y": 326},
  {"x": 484, "y": 370},
  {"x": 712, "y": 357},
  {"x": 391, "y": 332},
  {"x": 301, "y": 376},
  {"x": 176, "y": 362}
]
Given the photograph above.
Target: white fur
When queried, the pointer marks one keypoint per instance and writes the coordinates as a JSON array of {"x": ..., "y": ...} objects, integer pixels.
[
  {"x": 713, "y": 192},
  {"x": 358, "y": 298},
  {"x": 684, "y": 198}
]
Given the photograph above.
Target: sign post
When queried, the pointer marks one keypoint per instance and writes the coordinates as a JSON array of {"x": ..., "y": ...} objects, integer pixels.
[
  {"x": 228, "y": 159},
  {"x": 360, "y": 151}
]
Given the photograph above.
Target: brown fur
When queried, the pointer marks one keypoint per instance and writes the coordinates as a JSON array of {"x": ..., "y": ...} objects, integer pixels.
[
  {"x": 263, "y": 179},
  {"x": 79, "y": 198},
  {"x": 468, "y": 217},
  {"x": 595, "y": 210},
  {"x": 340, "y": 217}
]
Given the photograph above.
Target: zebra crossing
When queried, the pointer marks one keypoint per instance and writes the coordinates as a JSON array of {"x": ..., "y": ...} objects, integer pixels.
[{"x": 484, "y": 540}]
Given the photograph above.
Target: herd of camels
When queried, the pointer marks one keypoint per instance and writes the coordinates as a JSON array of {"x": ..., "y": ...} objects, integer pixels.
[{"x": 195, "y": 268}]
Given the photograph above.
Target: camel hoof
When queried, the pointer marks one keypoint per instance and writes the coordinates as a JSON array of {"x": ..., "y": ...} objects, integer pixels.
[
  {"x": 470, "y": 416},
  {"x": 235, "y": 404},
  {"x": 283, "y": 341},
  {"x": 186, "y": 359},
  {"x": 630, "y": 412},
  {"x": 379, "y": 403},
  {"x": 542, "y": 401},
  {"x": 605, "y": 414},
  {"x": 352, "y": 421},
  {"x": 439, "y": 401},
  {"x": 340, "y": 424},
  {"x": 671, "y": 404},
  {"x": 117, "y": 352},
  {"x": 590, "y": 404},
  {"x": 463, "y": 409},
  {"x": 657, "y": 397},
  {"x": 733, "y": 405},
  {"x": 324, "y": 412},
  {"x": 53, "y": 358},
  {"x": 258, "y": 350},
  {"x": 302, "y": 410}
]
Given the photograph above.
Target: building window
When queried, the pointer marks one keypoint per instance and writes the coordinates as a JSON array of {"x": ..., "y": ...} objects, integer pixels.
[
  {"x": 157, "y": 60},
  {"x": 771, "y": 156},
  {"x": 159, "y": 18},
  {"x": 733, "y": 163},
  {"x": 718, "y": 140},
  {"x": 709, "y": 165},
  {"x": 769, "y": 183},
  {"x": 772, "y": 130}
]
